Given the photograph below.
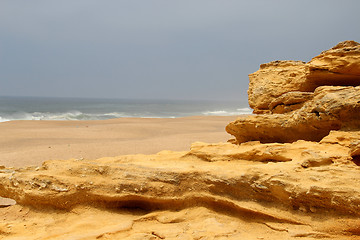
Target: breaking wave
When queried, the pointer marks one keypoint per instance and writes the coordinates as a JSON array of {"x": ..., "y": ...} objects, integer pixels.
[
  {"x": 4, "y": 119},
  {"x": 78, "y": 115},
  {"x": 72, "y": 115},
  {"x": 239, "y": 111},
  {"x": 32, "y": 108}
]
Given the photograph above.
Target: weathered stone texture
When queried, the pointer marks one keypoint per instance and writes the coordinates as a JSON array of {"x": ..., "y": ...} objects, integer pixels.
[
  {"x": 331, "y": 108},
  {"x": 338, "y": 66}
]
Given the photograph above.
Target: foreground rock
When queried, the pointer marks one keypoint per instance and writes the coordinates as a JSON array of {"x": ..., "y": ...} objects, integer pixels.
[{"x": 271, "y": 184}]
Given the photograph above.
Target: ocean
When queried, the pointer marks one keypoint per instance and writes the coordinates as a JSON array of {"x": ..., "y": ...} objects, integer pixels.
[{"x": 41, "y": 108}]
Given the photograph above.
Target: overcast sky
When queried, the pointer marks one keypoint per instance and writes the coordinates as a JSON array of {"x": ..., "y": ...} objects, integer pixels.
[{"x": 160, "y": 49}]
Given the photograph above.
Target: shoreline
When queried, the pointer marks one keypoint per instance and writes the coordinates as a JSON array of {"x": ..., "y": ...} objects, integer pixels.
[{"x": 31, "y": 142}]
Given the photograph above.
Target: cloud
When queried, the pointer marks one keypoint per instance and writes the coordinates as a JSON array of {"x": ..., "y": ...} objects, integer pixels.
[{"x": 159, "y": 48}]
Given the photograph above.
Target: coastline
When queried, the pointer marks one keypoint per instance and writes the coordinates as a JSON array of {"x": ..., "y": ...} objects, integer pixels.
[{"x": 31, "y": 142}]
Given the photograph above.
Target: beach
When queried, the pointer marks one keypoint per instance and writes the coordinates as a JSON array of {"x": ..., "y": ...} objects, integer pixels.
[
  {"x": 290, "y": 170},
  {"x": 25, "y": 143}
]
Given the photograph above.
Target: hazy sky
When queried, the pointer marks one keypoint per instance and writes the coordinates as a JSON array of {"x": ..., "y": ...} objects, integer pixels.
[{"x": 185, "y": 49}]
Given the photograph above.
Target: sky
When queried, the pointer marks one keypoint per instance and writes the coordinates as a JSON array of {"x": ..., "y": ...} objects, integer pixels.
[{"x": 160, "y": 49}]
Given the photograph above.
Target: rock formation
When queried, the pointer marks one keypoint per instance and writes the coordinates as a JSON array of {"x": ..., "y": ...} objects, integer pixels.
[
  {"x": 331, "y": 108},
  {"x": 292, "y": 172},
  {"x": 338, "y": 66},
  {"x": 274, "y": 79}
]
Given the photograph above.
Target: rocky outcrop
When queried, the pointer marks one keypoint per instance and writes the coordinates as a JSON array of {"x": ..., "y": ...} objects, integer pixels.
[
  {"x": 338, "y": 66},
  {"x": 296, "y": 100},
  {"x": 275, "y": 185},
  {"x": 331, "y": 108}
]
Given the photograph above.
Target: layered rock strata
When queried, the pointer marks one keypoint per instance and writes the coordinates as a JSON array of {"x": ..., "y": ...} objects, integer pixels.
[
  {"x": 331, "y": 108},
  {"x": 274, "y": 79},
  {"x": 338, "y": 66}
]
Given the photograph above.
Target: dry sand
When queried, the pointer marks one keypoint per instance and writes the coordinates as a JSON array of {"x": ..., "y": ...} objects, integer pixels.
[{"x": 25, "y": 143}]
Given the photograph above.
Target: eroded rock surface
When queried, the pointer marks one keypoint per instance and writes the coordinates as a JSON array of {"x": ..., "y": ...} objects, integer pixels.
[
  {"x": 273, "y": 184},
  {"x": 274, "y": 79},
  {"x": 307, "y": 154},
  {"x": 331, "y": 108},
  {"x": 289, "y": 101},
  {"x": 338, "y": 66}
]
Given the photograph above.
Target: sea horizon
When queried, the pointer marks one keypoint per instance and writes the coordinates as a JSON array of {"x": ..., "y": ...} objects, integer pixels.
[{"x": 76, "y": 108}]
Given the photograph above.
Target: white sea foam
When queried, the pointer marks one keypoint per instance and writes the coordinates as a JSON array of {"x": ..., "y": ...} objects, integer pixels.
[
  {"x": 75, "y": 115},
  {"x": 72, "y": 115},
  {"x": 238, "y": 111},
  {"x": 78, "y": 115},
  {"x": 3, "y": 119},
  {"x": 27, "y": 108}
]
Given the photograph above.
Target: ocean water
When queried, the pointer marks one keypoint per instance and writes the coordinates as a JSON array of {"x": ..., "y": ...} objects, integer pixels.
[{"x": 39, "y": 108}]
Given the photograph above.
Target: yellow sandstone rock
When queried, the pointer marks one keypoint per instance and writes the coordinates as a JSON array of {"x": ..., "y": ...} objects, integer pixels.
[
  {"x": 331, "y": 108},
  {"x": 338, "y": 66}
]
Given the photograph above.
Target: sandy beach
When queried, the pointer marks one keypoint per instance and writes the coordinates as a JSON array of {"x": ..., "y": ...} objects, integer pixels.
[{"x": 25, "y": 143}]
